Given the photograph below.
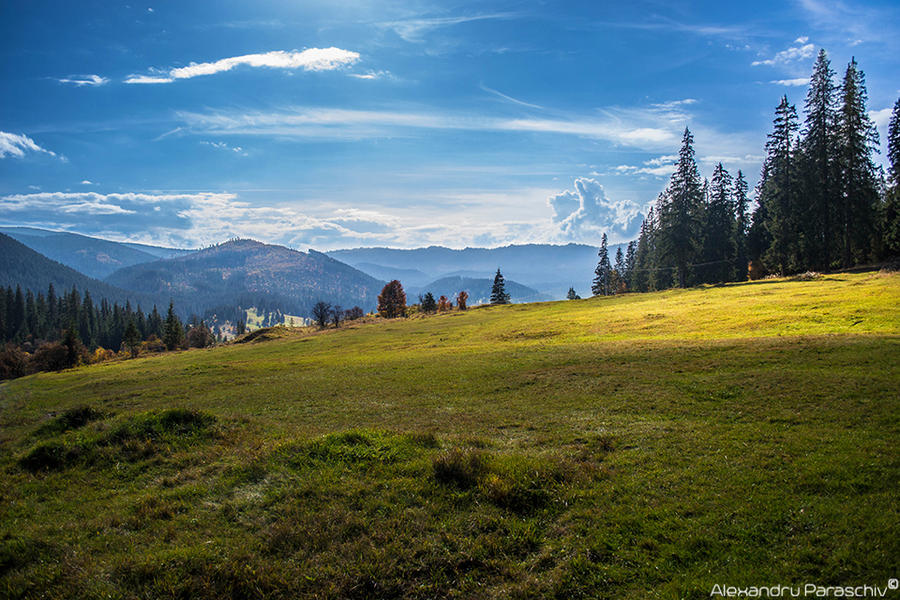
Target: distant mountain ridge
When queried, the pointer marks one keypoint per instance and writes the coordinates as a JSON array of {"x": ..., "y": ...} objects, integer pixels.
[
  {"x": 550, "y": 269},
  {"x": 94, "y": 257},
  {"x": 250, "y": 273},
  {"x": 479, "y": 290},
  {"x": 27, "y": 268}
]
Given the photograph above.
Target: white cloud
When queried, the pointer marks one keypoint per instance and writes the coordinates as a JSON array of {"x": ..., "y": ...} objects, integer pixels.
[
  {"x": 882, "y": 117},
  {"x": 311, "y": 59},
  {"x": 16, "y": 145},
  {"x": 80, "y": 81},
  {"x": 801, "y": 40},
  {"x": 372, "y": 75},
  {"x": 87, "y": 182},
  {"x": 586, "y": 213},
  {"x": 224, "y": 146},
  {"x": 147, "y": 79},
  {"x": 792, "y": 54},
  {"x": 791, "y": 82}
]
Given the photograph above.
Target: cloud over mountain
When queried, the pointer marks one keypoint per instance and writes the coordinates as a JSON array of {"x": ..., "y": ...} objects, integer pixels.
[{"x": 587, "y": 212}]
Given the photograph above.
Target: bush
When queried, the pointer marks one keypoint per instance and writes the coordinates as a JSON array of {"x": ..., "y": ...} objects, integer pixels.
[
  {"x": 52, "y": 356},
  {"x": 153, "y": 344},
  {"x": 13, "y": 362}
]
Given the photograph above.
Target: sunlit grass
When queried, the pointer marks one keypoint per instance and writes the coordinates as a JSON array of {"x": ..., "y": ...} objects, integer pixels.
[{"x": 636, "y": 446}]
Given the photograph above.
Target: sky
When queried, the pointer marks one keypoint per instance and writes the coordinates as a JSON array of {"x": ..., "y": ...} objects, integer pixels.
[{"x": 326, "y": 125}]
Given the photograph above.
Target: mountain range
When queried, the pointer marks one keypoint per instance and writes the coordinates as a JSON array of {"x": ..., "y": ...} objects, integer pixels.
[
  {"x": 548, "y": 269},
  {"x": 275, "y": 278}
]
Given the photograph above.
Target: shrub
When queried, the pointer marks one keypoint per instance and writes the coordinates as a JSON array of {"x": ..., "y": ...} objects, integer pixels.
[
  {"x": 13, "y": 362},
  {"x": 52, "y": 356}
]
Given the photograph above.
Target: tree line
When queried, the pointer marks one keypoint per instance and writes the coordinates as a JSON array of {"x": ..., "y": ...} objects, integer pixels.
[
  {"x": 821, "y": 202},
  {"x": 45, "y": 332}
]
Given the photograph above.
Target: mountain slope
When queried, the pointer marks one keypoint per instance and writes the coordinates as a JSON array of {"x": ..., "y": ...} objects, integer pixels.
[
  {"x": 480, "y": 290},
  {"x": 548, "y": 268},
  {"x": 247, "y": 273},
  {"x": 22, "y": 266},
  {"x": 92, "y": 256}
]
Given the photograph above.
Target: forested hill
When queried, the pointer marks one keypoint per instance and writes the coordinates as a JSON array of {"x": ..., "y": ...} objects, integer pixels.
[
  {"x": 246, "y": 272},
  {"x": 89, "y": 255},
  {"x": 22, "y": 266}
]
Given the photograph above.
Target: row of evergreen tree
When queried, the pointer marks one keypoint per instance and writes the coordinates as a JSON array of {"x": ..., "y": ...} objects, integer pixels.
[
  {"x": 29, "y": 319},
  {"x": 821, "y": 202}
]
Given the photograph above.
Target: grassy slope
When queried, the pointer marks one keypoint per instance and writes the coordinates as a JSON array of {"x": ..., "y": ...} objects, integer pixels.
[{"x": 641, "y": 446}]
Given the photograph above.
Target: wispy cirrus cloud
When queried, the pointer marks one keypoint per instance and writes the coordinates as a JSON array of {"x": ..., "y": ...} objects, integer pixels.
[
  {"x": 413, "y": 29},
  {"x": 655, "y": 126},
  {"x": 311, "y": 59},
  {"x": 84, "y": 80},
  {"x": 17, "y": 145}
]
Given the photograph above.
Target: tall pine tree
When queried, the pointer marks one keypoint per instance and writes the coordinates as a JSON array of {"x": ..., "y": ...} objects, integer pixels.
[
  {"x": 858, "y": 192},
  {"x": 602, "y": 284},
  {"x": 498, "y": 290},
  {"x": 680, "y": 213},
  {"x": 819, "y": 168},
  {"x": 890, "y": 214}
]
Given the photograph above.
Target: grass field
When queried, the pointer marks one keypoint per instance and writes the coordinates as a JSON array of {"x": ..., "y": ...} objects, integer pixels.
[{"x": 642, "y": 446}]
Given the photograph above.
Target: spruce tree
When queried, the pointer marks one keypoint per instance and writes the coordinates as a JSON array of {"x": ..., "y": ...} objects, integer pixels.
[
  {"x": 630, "y": 258},
  {"x": 572, "y": 295},
  {"x": 428, "y": 303},
  {"x": 173, "y": 336},
  {"x": 680, "y": 212},
  {"x": 741, "y": 227},
  {"x": 132, "y": 339},
  {"x": 619, "y": 272},
  {"x": 778, "y": 193},
  {"x": 858, "y": 197},
  {"x": 819, "y": 168},
  {"x": 890, "y": 214},
  {"x": 718, "y": 235},
  {"x": 602, "y": 284},
  {"x": 498, "y": 290}
]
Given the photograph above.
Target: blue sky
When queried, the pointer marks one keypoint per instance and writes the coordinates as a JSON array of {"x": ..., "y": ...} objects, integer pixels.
[{"x": 340, "y": 124}]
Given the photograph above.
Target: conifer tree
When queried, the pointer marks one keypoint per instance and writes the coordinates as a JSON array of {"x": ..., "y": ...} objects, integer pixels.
[
  {"x": 630, "y": 258},
  {"x": 602, "y": 284},
  {"x": 890, "y": 215},
  {"x": 858, "y": 191},
  {"x": 680, "y": 211},
  {"x": 173, "y": 335},
  {"x": 718, "y": 236},
  {"x": 778, "y": 193},
  {"x": 572, "y": 294},
  {"x": 741, "y": 227},
  {"x": 132, "y": 339},
  {"x": 819, "y": 168},
  {"x": 428, "y": 303},
  {"x": 498, "y": 290},
  {"x": 619, "y": 274}
]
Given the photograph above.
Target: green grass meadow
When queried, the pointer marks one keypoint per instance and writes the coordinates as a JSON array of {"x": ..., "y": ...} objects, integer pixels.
[{"x": 640, "y": 446}]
